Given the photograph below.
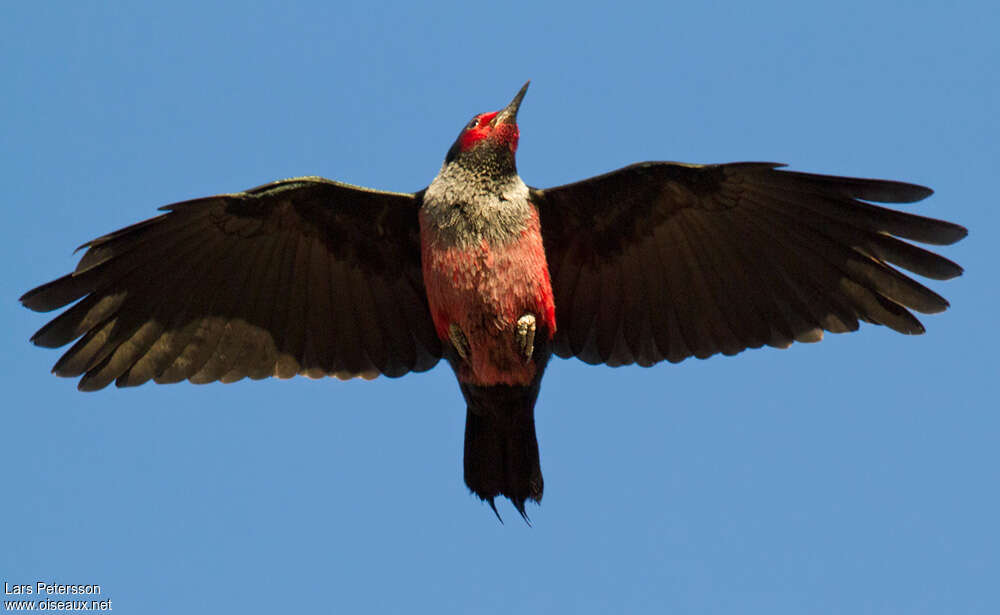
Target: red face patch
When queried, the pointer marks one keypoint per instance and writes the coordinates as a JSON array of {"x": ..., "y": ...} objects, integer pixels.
[{"x": 480, "y": 128}]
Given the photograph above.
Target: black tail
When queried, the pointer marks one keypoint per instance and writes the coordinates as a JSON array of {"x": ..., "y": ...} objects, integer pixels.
[{"x": 501, "y": 451}]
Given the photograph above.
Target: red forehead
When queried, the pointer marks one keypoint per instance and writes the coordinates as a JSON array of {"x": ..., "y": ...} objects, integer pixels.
[{"x": 503, "y": 133}]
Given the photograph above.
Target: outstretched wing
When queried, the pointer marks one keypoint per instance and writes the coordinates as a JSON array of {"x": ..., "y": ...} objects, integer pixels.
[
  {"x": 664, "y": 260},
  {"x": 301, "y": 276}
]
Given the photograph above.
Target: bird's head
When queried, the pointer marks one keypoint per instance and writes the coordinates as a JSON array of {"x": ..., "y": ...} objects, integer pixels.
[{"x": 490, "y": 133}]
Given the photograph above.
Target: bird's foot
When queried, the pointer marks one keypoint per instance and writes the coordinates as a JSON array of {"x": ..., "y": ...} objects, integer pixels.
[
  {"x": 526, "y": 335},
  {"x": 458, "y": 340}
]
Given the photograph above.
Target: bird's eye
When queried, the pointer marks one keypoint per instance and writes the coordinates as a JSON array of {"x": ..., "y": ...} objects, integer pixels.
[{"x": 473, "y": 123}]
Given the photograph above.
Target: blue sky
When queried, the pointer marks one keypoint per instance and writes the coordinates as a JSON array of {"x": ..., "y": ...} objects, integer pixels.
[{"x": 857, "y": 475}]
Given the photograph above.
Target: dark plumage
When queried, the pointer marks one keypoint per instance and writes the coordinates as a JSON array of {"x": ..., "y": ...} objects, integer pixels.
[{"x": 656, "y": 261}]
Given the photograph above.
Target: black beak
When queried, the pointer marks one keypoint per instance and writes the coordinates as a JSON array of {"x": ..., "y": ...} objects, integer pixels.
[{"x": 508, "y": 115}]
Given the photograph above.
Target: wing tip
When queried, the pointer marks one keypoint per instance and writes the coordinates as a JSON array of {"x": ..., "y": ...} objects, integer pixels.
[{"x": 903, "y": 192}]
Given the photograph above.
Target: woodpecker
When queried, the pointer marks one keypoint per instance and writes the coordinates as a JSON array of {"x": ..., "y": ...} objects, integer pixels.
[{"x": 655, "y": 261}]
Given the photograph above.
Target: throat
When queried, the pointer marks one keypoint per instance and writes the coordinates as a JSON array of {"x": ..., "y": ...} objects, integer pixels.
[{"x": 464, "y": 206}]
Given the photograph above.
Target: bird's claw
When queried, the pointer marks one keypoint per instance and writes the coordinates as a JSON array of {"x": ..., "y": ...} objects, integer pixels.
[
  {"x": 458, "y": 340},
  {"x": 526, "y": 335}
]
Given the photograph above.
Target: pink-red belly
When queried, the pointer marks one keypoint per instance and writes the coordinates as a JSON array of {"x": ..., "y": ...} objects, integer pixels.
[{"x": 484, "y": 290}]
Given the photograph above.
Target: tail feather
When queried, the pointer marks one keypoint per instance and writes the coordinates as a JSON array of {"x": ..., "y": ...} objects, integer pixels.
[{"x": 501, "y": 450}]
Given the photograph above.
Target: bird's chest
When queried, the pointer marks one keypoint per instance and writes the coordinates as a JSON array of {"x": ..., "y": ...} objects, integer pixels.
[{"x": 483, "y": 272}]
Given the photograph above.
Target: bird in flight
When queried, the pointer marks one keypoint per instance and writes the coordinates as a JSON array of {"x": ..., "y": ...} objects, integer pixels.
[{"x": 655, "y": 261}]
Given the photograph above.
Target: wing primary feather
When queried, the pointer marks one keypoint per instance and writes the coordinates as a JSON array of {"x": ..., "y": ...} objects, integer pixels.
[
  {"x": 209, "y": 283},
  {"x": 134, "y": 360},
  {"x": 863, "y": 268},
  {"x": 124, "y": 370},
  {"x": 739, "y": 297},
  {"x": 141, "y": 319},
  {"x": 141, "y": 235},
  {"x": 794, "y": 288},
  {"x": 77, "y": 320},
  {"x": 101, "y": 283},
  {"x": 77, "y": 360},
  {"x": 99, "y": 341},
  {"x": 878, "y": 310},
  {"x": 71, "y": 287},
  {"x": 58, "y": 292},
  {"x": 876, "y": 243},
  {"x": 726, "y": 280},
  {"x": 865, "y": 215},
  {"x": 103, "y": 248},
  {"x": 820, "y": 261},
  {"x": 203, "y": 349},
  {"x": 913, "y": 258},
  {"x": 881, "y": 190},
  {"x": 782, "y": 298},
  {"x": 80, "y": 359},
  {"x": 774, "y": 293}
]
